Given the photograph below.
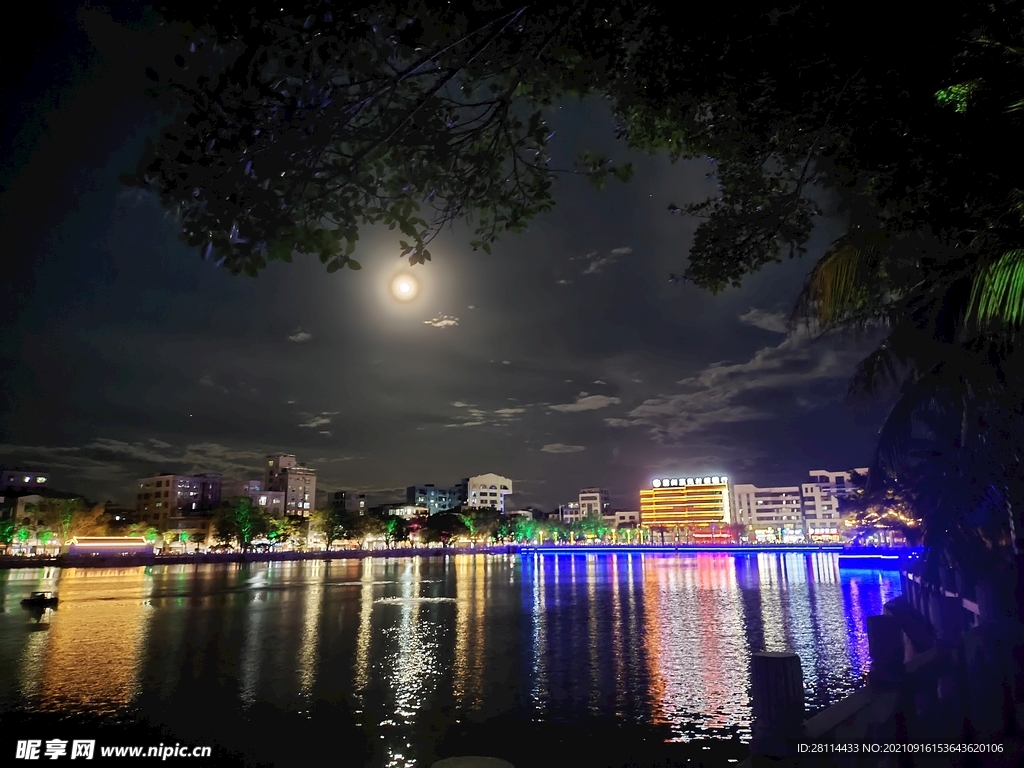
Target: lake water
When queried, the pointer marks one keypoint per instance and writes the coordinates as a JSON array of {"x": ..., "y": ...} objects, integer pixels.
[{"x": 596, "y": 659}]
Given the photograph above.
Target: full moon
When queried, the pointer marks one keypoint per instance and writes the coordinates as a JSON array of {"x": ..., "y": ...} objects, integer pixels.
[{"x": 404, "y": 287}]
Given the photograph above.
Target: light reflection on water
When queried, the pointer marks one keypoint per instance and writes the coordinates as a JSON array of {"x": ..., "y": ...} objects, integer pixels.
[{"x": 411, "y": 646}]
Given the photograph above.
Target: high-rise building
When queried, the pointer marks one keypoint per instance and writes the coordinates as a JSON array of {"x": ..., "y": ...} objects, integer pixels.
[
  {"x": 487, "y": 490},
  {"x": 688, "y": 508},
  {"x": 769, "y": 515},
  {"x": 433, "y": 498},
  {"x": 167, "y": 496},
  {"x": 296, "y": 480},
  {"x": 595, "y": 501}
]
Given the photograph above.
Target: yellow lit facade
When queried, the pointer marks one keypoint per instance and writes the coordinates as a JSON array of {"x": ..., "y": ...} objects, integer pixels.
[{"x": 698, "y": 506}]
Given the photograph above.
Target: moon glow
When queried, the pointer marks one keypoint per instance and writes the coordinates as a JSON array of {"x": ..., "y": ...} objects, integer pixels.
[{"x": 404, "y": 287}]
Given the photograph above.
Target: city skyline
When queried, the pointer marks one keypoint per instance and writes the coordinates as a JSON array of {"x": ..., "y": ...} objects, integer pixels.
[{"x": 180, "y": 367}]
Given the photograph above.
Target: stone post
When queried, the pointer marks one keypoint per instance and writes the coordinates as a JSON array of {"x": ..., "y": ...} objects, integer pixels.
[
  {"x": 777, "y": 687},
  {"x": 945, "y": 614},
  {"x": 885, "y": 643}
]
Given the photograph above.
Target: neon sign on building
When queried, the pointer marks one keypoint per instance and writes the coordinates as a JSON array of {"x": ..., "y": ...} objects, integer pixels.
[{"x": 699, "y": 505}]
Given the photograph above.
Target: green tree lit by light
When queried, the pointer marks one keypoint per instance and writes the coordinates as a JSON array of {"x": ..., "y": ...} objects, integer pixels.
[{"x": 957, "y": 95}]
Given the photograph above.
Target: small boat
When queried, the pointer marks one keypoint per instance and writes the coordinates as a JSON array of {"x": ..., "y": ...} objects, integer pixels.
[{"x": 40, "y": 600}]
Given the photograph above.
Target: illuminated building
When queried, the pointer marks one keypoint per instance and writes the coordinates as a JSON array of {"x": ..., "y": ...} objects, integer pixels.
[
  {"x": 297, "y": 481},
  {"x": 167, "y": 496},
  {"x": 769, "y": 515},
  {"x": 436, "y": 499},
  {"x": 689, "y": 509},
  {"x": 110, "y": 546},
  {"x": 570, "y": 513},
  {"x": 821, "y": 502},
  {"x": 23, "y": 480},
  {"x": 488, "y": 490}
]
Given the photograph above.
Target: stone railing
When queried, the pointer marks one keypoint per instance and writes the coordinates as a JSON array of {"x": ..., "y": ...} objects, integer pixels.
[
  {"x": 947, "y": 666},
  {"x": 899, "y": 703}
]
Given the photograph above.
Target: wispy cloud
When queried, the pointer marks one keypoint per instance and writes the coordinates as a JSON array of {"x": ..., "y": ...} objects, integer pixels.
[
  {"x": 727, "y": 392},
  {"x": 300, "y": 336},
  {"x": 319, "y": 420},
  {"x": 562, "y": 448},
  {"x": 563, "y": 282},
  {"x": 472, "y": 416},
  {"x": 768, "y": 321},
  {"x": 586, "y": 402},
  {"x": 207, "y": 381},
  {"x": 509, "y": 411},
  {"x": 442, "y": 321},
  {"x": 597, "y": 263}
]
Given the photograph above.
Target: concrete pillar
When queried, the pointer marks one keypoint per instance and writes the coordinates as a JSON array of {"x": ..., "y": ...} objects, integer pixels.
[
  {"x": 885, "y": 643},
  {"x": 777, "y": 687},
  {"x": 946, "y": 617}
]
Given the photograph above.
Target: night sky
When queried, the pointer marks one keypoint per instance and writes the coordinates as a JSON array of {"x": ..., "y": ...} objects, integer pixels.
[{"x": 573, "y": 362}]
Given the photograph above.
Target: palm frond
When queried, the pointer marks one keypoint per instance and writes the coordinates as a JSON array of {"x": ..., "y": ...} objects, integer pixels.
[
  {"x": 835, "y": 288},
  {"x": 997, "y": 293},
  {"x": 876, "y": 373}
]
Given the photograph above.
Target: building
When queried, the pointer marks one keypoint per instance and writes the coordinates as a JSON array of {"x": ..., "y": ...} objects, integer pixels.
[
  {"x": 821, "y": 497},
  {"x": 570, "y": 513},
  {"x": 487, "y": 490},
  {"x": 296, "y": 480},
  {"x": 434, "y": 498},
  {"x": 347, "y": 501},
  {"x": 398, "y": 509},
  {"x": 234, "y": 488},
  {"x": 769, "y": 515},
  {"x": 166, "y": 496},
  {"x": 688, "y": 509},
  {"x": 272, "y": 501},
  {"x": 109, "y": 546},
  {"x": 14, "y": 480},
  {"x": 594, "y": 501},
  {"x": 625, "y": 518}
]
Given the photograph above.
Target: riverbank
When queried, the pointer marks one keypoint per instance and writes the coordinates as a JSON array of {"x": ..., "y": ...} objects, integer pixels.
[
  {"x": 198, "y": 558},
  {"x": 848, "y": 557}
]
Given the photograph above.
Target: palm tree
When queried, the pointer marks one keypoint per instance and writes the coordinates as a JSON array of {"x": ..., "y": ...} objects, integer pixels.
[{"x": 950, "y": 318}]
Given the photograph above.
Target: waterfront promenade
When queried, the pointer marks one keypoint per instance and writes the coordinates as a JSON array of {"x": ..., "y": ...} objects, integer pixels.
[{"x": 850, "y": 557}]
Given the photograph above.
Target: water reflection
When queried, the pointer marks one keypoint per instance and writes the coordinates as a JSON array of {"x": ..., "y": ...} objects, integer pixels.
[
  {"x": 413, "y": 647},
  {"x": 89, "y": 657},
  {"x": 696, "y": 623}
]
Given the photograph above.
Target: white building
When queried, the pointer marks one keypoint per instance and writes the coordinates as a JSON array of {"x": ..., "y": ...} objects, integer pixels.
[
  {"x": 487, "y": 490},
  {"x": 627, "y": 518},
  {"x": 821, "y": 501},
  {"x": 594, "y": 501},
  {"x": 772, "y": 515}
]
